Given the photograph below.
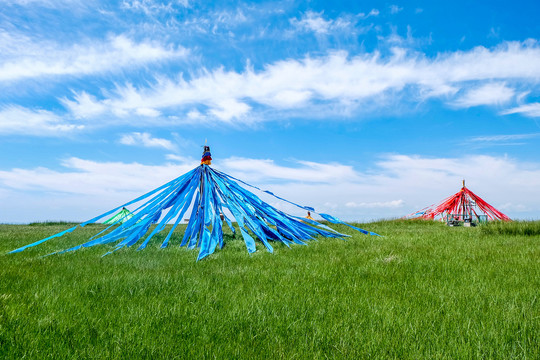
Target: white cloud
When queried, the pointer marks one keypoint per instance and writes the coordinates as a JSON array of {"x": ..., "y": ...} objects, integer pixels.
[
  {"x": 307, "y": 172},
  {"x": 312, "y": 21},
  {"x": 510, "y": 60},
  {"x": 19, "y": 120},
  {"x": 149, "y": 112},
  {"x": 496, "y": 138},
  {"x": 92, "y": 178},
  {"x": 530, "y": 110},
  {"x": 46, "y": 3},
  {"x": 387, "y": 204},
  {"x": 229, "y": 109},
  {"x": 487, "y": 94},
  {"x": 152, "y": 7},
  {"x": 84, "y": 105},
  {"x": 373, "y": 12},
  {"x": 341, "y": 81},
  {"x": 149, "y": 7},
  {"x": 287, "y": 99},
  {"x": 223, "y": 22},
  {"x": 396, "y": 186},
  {"x": 394, "y": 9},
  {"x": 230, "y": 18},
  {"x": 494, "y": 32},
  {"x": 195, "y": 115},
  {"x": 146, "y": 140},
  {"x": 180, "y": 159},
  {"x": 31, "y": 59}
]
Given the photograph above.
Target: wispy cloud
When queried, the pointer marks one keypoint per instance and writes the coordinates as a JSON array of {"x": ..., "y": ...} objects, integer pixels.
[
  {"x": 394, "y": 9},
  {"x": 495, "y": 138},
  {"x": 46, "y": 3},
  {"x": 33, "y": 59},
  {"x": 397, "y": 185},
  {"x": 373, "y": 12},
  {"x": 530, "y": 110},
  {"x": 315, "y": 22},
  {"x": 377, "y": 204},
  {"x": 81, "y": 176},
  {"x": 151, "y": 7},
  {"x": 220, "y": 21},
  {"x": 146, "y": 140},
  {"x": 341, "y": 81},
  {"x": 84, "y": 105},
  {"x": 494, "y": 32},
  {"x": 23, "y": 121},
  {"x": 229, "y": 109},
  {"x": 487, "y": 94},
  {"x": 304, "y": 171},
  {"x": 480, "y": 142}
]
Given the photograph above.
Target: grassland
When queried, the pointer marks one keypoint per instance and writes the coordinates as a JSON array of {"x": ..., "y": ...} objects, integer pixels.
[{"x": 422, "y": 291}]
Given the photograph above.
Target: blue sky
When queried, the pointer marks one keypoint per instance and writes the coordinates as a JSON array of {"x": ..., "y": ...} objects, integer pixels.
[{"x": 365, "y": 110}]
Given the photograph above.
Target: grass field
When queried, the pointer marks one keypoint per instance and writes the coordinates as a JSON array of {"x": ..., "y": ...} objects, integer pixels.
[{"x": 423, "y": 290}]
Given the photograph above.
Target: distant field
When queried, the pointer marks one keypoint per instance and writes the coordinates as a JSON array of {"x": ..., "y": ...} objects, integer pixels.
[{"x": 423, "y": 290}]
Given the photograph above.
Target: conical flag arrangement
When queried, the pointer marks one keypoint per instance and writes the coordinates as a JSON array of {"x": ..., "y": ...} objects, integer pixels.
[
  {"x": 462, "y": 206},
  {"x": 205, "y": 193},
  {"x": 121, "y": 217}
]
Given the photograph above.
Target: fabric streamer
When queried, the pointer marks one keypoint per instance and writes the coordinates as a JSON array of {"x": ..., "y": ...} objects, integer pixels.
[
  {"x": 122, "y": 216},
  {"x": 462, "y": 205},
  {"x": 205, "y": 193}
]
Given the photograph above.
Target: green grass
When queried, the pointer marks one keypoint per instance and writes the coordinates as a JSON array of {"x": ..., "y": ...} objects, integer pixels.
[
  {"x": 527, "y": 228},
  {"x": 423, "y": 291}
]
